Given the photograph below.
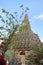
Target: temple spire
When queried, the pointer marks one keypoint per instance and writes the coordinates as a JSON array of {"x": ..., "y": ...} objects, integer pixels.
[
  {"x": 25, "y": 24},
  {"x": 26, "y": 20},
  {"x": 26, "y": 16}
]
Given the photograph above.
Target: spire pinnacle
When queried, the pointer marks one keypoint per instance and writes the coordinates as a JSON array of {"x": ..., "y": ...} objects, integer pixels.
[{"x": 26, "y": 20}]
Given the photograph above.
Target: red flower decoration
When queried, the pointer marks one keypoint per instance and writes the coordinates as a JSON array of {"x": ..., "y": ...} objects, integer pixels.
[{"x": 2, "y": 60}]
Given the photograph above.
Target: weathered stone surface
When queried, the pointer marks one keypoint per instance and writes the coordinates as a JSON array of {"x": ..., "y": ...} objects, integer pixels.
[
  {"x": 15, "y": 61},
  {"x": 25, "y": 38}
]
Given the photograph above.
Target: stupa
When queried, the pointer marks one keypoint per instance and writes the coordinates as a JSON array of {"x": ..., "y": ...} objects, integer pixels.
[{"x": 25, "y": 38}]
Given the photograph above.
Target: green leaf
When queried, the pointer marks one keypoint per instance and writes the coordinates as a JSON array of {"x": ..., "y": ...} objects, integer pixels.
[
  {"x": 3, "y": 10},
  {"x": 21, "y": 6},
  {"x": 27, "y": 8},
  {"x": 7, "y": 12},
  {"x": 15, "y": 12},
  {"x": 12, "y": 16},
  {"x": 0, "y": 16},
  {"x": 2, "y": 20},
  {"x": 1, "y": 27},
  {"x": 9, "y": 23}
]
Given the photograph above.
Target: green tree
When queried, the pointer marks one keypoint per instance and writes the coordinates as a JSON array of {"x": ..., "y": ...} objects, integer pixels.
[
  {"x": 37, "y": 55},
  {"x": 10, "y": 21}
]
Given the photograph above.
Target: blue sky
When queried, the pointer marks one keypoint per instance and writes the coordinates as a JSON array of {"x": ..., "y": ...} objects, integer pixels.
[{"x": 35, "y": 13}]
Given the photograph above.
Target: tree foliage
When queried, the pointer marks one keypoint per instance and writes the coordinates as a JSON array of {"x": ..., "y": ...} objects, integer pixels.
[
  {"x": 10, "y": 20},
  {"x": 37, "y": 55}
]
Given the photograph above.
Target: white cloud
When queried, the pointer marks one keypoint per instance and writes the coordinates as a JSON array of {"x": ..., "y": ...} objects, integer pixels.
[
  {"x": 41, "y": 40},
  {"x": 39, "y": 17},
  {"x": 30, "y": 20}
]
